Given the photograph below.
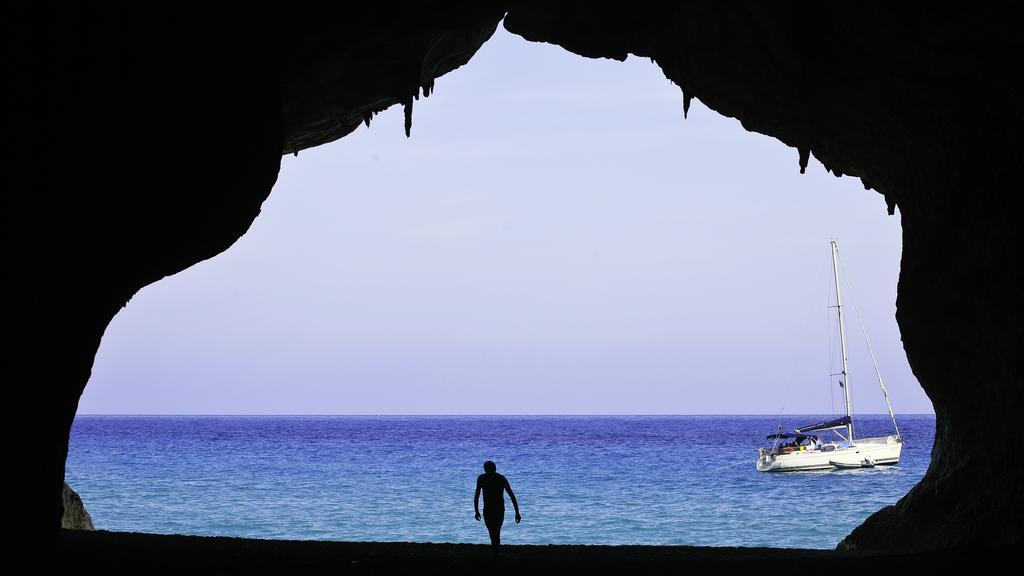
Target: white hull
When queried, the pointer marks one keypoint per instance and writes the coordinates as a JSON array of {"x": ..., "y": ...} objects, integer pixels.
[{"x": 866, "y": 452}]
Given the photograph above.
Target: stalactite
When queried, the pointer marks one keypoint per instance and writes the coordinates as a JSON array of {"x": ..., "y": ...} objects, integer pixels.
[
  {"x": 831, "y": 169},
  {"x": 805, "y": 155},
  {"x": 407, "y": 105}
]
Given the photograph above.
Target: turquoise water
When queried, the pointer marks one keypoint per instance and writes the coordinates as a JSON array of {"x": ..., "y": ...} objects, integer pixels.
[{"x": 686, "y": 480}]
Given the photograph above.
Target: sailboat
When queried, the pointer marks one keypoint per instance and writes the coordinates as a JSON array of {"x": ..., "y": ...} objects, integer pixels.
[{"x": 831, "y": 444}]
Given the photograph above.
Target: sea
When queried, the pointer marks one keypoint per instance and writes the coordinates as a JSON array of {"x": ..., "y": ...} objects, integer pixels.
[{"x": 660, "y": 480}]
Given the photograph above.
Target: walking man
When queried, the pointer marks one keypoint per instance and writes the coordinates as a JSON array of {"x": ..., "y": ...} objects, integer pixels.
[{"x": 494, "y": 486}]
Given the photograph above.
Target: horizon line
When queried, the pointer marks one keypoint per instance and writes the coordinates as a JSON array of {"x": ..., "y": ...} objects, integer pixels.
[{"x": 481, "y": 415}]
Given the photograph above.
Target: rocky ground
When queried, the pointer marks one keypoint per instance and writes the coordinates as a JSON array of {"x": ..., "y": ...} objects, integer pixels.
[{"x": 85, "y": 552}]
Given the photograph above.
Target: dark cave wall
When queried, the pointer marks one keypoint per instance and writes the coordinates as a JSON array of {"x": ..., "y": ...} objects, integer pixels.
[
  {"x": 138, "y": 154},
  {"x": 147, "y": 141}
]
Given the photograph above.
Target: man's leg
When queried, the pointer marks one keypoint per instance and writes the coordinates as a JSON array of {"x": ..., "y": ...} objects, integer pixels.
[{"x": 494, "y": 520}]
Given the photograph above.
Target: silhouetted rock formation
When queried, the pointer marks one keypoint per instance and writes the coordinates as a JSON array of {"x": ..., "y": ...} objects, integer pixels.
[
  {"x": 75, "y": 515},
  {"x": 144, "y": 143},
  {"x": 91, "y": 553}
]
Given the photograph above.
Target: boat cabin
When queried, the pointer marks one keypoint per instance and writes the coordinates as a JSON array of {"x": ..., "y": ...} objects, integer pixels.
[{"x": 788, "y": 442}]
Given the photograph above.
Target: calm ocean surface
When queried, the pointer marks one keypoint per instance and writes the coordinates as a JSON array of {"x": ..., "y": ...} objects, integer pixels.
[{"x": 686, "y": 480}]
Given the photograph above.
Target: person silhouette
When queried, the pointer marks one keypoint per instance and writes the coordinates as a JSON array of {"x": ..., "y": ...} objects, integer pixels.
[{"x": 494, "y": 486}]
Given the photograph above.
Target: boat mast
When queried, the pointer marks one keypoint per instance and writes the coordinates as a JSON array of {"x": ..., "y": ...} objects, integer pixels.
[{"x": 845, "y": 382}]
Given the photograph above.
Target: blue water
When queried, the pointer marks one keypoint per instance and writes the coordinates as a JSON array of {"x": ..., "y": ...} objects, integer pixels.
[{"x": 686, "y": 480}]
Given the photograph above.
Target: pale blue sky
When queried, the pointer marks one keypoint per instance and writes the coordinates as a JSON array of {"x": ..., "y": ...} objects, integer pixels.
[{"x": 553, "y": 239}]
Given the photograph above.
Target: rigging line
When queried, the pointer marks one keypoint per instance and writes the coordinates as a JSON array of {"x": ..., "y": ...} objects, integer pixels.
[
  {"x": 828, "y": 354},
  {"x": 777, "y": 430},
  {"x": 871, "y": 352},
  {"x": 778, "y": 426},
  {"x": 829, "y": 346}
]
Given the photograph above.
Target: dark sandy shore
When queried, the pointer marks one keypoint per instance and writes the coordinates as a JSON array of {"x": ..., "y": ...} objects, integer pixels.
[{"x": 133, "y": 553}]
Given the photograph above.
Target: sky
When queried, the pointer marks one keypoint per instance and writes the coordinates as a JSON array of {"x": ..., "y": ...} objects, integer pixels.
[{"x": 554, "y": 238}]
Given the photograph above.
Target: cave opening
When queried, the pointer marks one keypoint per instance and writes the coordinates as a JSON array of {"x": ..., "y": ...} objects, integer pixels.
[
  {"x": 612, "y": 248},
  {"x": 918, "y": 104}
]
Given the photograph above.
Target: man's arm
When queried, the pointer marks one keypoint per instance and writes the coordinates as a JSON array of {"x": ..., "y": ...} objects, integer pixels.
[
  {"x": 476, "y": 499},
  {"x": 512, "y": 495}
]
